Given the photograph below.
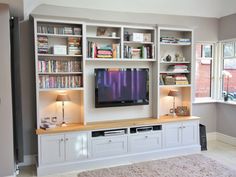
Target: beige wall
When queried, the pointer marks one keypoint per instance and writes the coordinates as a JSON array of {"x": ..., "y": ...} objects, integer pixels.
[{"x": 6, "y": 120}]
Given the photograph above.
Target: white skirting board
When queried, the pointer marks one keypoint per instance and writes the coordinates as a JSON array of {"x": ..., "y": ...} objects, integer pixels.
[
  {"x": 116, "y": 160},
  {"x": 221, "y": 137}
]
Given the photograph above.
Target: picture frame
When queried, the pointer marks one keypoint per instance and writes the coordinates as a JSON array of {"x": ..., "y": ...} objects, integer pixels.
[{"x": 182, "y": 111}]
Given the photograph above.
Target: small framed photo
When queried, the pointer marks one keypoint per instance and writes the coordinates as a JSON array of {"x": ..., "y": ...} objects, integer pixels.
[{"x": 182, "y": 111}]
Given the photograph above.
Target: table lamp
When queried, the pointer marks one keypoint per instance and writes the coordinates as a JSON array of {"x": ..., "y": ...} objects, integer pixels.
[
  {"x": 173, "y": 93},
  {"x": 63, "y": 97}
]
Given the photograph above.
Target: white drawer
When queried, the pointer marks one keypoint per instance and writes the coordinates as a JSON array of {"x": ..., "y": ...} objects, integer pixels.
[
  {"x": 109, "y": 146},
  {"x": 145, "y": 141}
]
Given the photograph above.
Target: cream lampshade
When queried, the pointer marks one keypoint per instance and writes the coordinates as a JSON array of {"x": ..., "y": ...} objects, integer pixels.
[
  {"x": 63, "y": 97},
  {"x": 173, "y": 93}
]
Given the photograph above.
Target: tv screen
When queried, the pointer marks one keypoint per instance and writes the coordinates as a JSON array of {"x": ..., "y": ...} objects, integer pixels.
[{"x": 121, "y": 87}]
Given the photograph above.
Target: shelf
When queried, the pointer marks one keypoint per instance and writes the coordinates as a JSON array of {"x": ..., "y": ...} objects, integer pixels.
[
  {"x": 176, "y": 44},
  {"x": 135, "y": 42},
  {"x": 103, "y": 37},
  {"x": 175, "y": 62},
  {"x": 59, "y": 35},
  {"x": 59, "y": 73},
  {"x": 118, "y": 59},
  {"x": 171, "y": 72},
  {"x": 163, "y": 86},
  {"x": 54, "y": 55},
  {"x": 55, "y": 89}
]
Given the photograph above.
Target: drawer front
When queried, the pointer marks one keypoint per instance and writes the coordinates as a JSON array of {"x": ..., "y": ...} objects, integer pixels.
[
  {"x": 145, "y": 142},
  {"x": 109, "y": 146}
]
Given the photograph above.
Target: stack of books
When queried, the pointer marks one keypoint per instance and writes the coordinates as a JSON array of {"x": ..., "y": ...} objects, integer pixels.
[
  {"x": 59, "y": 30},
  {"x": 181, "y": 80},
  {"x": 47, "y": 81},
  {"x": 168, "y": 40},
  {"x": 178, "y": 68},
  {"x": 74, "y": 46},
  {"x": 173, "y": 40},
  {"x": 104, "y": 51},
  {"x": 43, "y": 46},
  {"x": 116, "y": 50},
  {"x": 144, "y": 52},
  {"x": 54, "y": 66}
]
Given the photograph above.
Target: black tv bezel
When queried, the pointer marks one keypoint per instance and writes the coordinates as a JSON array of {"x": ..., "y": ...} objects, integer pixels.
[{"x": 120, "y": 103}]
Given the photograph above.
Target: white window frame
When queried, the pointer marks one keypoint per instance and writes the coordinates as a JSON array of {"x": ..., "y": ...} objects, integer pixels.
[
  {"x": 213, "y": 92},
  {"x": 221, "y": 65}
]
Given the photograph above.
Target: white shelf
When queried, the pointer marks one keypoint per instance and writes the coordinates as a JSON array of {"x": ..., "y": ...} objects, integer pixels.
[
  {"x": 163, "y": 86},
  {"x": 59, "y": 35},
  {"x": 171, "y": 72},
  {"x": 59, "y": 73},
  {"x": 118, "y": 59},
  {"x": 54, "y": 55},
  {"x": 176, "y": 44},
  {"x": 175, "y": 62},
  {"x": 135, "y": 42},
  {"x": 103, "y": 37},
  {"x": 55, "y": 89}
]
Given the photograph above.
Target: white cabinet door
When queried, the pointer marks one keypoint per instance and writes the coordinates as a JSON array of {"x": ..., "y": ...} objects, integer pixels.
[
  {"x": 76, "y": 145},
  {"x": 172, "y": 134},
  {"x": 52, "y": 148},
  {"x": 190, "y": 133},
  {"x": 145, "y": 141},
  {"x": 109, "y": 146}
]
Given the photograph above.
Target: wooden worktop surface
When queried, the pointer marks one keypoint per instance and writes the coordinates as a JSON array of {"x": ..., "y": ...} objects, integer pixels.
[{"x": 115, "y": 124}]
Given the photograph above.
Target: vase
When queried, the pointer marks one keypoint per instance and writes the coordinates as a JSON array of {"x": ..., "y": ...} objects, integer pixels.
[{"x": 226, "y": 97}]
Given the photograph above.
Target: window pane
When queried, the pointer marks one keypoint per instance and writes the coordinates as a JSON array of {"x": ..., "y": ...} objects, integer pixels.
[
  {"x": 207, "y": 51},
  {"x": 203, "y": 78},
  {"x": 230, "y": 66},
  {"x": 228, "y": 50}
]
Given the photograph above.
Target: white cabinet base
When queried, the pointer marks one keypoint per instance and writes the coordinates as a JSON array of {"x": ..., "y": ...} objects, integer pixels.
[{"x": 117, "y": 160}]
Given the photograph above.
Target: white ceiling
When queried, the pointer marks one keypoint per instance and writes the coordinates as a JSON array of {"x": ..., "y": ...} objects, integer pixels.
[{"x": 202, "y": 8}]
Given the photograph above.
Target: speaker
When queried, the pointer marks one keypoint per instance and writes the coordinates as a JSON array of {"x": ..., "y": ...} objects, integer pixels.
[{"x": 203, "y": 138}]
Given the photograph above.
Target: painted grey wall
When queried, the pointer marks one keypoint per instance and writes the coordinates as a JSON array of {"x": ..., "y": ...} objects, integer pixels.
[
  {"x": 226, "y": 119},
  {"x": 227, "y": 26},
  {"x": 208, "y": 114},
  {"x": 6, "y": 119},
  {"x": 205, "y": 30}
]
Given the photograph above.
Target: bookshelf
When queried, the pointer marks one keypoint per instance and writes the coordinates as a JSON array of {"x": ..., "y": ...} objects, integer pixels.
[
  {"x": 59, "y": 67},
  {"x": 174, "y": 67}
]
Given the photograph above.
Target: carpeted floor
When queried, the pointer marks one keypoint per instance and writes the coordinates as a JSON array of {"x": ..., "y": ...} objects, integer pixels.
[{"x": 196, "y": 165}]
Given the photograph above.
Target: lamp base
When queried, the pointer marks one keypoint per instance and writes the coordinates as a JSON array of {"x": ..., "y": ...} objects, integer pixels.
[{"x": 63, "y": 124}]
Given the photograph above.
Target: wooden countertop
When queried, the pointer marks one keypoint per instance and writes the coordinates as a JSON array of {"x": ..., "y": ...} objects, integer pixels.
[{"x": 115, "y": 124}]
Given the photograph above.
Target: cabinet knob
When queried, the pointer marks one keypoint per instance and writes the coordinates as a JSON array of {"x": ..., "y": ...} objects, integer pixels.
[
  {"x": 109, "y": 141},
  {"x": 67, "y": 139},
  {"x": 146, "y": 137},
  {"x": 62, "y": 139},
  {"x": 184, "y": 127},
  {"x": 180, "y": 127}
]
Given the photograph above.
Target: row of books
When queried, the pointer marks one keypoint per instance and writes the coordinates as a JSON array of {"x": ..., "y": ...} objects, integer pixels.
[
  {"x": 74, "y": 46},
  {"x": 47, "y": 81},
  {"x": 178, "y": 68},
  {"x": 174, "y": 40},
  {"x": 103, "y": 51},
  {"x": 55, "y": 66},
  {"x": 59, "y": 30},
  {"x": 43, "y": 46},
  {"x": 180, "y": 79},
  {"x": 140, "y": 52}
]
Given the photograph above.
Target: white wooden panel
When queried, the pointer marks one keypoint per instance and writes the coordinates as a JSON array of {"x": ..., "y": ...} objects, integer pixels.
[
  {"x": 145, "y": 142},
  {"x": 190, "y": 133},
  {"x": 173, "y": 134},
  {"x": 52, "y": 149},
  {"x": 76, "y": 145},
  {"x": 109, "y": 146}
]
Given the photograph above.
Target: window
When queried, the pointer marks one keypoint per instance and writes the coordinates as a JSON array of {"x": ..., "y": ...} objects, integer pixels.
[
  {"x": 203, "y": 75},
  {"x": 229, "y": 70}
]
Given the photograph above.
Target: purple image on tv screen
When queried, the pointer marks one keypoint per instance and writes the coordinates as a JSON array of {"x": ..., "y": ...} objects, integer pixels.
[{"x": 122, "y": 85}]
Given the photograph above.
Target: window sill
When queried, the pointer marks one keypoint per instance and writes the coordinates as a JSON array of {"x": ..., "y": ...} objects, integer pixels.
[
  {"x": 226, "y": 102},
  {"x": 205, "y": 101}
]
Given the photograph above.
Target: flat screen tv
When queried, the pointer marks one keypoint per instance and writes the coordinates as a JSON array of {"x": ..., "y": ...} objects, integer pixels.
[{"x": 121, "y": 87}]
